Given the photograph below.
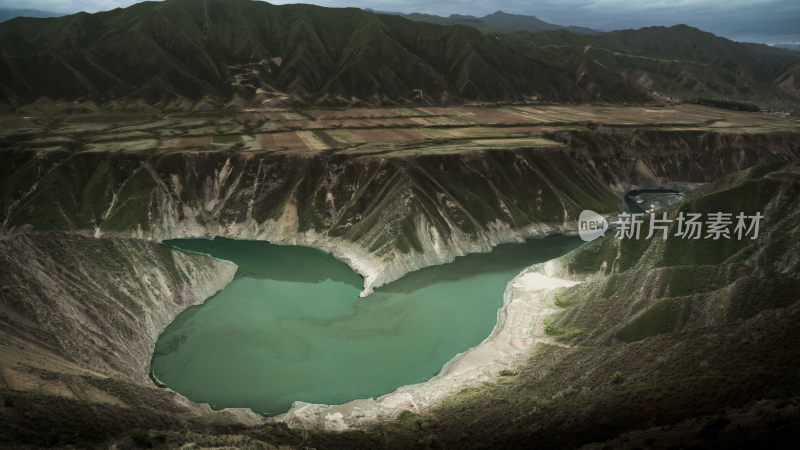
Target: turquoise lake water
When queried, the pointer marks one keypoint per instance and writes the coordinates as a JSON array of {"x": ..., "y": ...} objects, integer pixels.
[{"x": 291, "y": 326}]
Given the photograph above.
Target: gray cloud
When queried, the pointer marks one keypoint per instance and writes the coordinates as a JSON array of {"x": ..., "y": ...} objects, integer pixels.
[
  {"x": 66, "y": 6},
  {"x": 756, "y": 20}
]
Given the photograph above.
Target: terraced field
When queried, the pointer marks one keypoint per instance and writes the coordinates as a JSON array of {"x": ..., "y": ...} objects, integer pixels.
[{"x": 386, "y": 131}]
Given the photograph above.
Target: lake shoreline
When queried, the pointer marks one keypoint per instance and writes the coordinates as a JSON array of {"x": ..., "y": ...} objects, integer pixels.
[
  {"x": 491, "y": 271},
  {"x": 528, "y": 299}
]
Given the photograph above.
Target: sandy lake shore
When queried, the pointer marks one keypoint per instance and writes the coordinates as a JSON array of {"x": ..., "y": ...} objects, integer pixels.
[{"x": 528, "y": 299}]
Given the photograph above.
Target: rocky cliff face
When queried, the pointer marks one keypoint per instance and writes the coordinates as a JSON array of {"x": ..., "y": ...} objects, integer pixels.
[
  {"x": 383, "y": 215},
  {"x": 79, "y": 318},
  {"x": 99, "y": 304}
]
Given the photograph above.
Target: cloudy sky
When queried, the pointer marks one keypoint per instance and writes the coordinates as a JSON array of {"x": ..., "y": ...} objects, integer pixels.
[{"x": 769, "y": 21}]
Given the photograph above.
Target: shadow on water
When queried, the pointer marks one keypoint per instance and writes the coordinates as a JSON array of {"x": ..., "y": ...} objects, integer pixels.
[
  {"x": 291, "y": 326},
  {"x": 273, "y": 262},
  {"x": 308, "y": 265},
  {"x": 505, "y": 257}
]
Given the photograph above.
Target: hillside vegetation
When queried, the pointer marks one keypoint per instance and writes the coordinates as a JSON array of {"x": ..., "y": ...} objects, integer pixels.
[{"x": 192, "y": 53}]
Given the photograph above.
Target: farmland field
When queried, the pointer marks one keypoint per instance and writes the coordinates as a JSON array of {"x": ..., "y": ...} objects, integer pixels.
[{"x": 388, "y": 131}]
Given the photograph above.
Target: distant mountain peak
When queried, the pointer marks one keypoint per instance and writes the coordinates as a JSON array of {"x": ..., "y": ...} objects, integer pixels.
[
  {"x": 499, "y": 22},
  {"x": 503, "y": 13},
  {"x": 462, "y": 16},
  {"x": 10, "y": 13}
]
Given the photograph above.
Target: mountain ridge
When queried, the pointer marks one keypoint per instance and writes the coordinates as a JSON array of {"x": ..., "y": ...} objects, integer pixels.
[
  {"x": 10, "y": 13},
  {"x": 499, "y": 22},
  {"x": 240, "y": 53}
]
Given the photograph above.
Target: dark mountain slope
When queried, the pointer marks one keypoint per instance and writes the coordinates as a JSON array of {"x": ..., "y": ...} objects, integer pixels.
[
  {"x": 186, "y": 48},
  {"x": 678, "y": 61},
  {"x": 164, "y": 53}
]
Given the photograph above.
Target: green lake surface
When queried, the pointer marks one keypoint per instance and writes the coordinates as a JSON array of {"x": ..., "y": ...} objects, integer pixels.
[{"x": 291, "y": 326}]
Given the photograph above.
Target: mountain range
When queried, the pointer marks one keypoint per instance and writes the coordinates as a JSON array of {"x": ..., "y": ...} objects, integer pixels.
[
  {"x": 499, "y": 22},
  {"x": 10, "y": 13},
  {"x": 185, "y": 53}
]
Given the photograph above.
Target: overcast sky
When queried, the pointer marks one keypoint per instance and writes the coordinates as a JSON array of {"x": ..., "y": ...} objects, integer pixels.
[{"x": 769, "y": 21}]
